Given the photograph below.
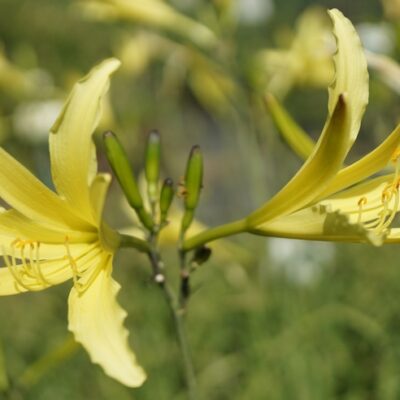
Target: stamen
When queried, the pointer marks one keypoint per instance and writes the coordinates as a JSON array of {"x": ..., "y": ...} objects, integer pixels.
[
  {"x": 76, "y": 275},
  {"x": 72, "y": 263},
  {"x": 27, "y": 272},
  {"x": 393, "y": 212},
  {"x": 37, "y": 267},
  {"x": 361, "y": 203},
  {"x": 15, "y": 272}
]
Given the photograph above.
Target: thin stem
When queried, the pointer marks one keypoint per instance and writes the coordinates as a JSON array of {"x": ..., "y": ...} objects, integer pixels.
[
  {"x": 173, "y": 304},
  {"x": 182, "y": 340},
  {"x": 209, "y": 235}
]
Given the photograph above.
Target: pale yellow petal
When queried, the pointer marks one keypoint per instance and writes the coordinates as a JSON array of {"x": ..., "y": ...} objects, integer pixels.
[
  {"x": 393, "y": 236},
  {"x": 370, "y": 164},
  {"x": 96, "y": 319},
  {"x": 340, "y": 130},
  {"x": 351, "y": 72},
  {"x": 14, "y": 224},
  {"x": 34, "y": 276},
  {"x": 296, "y": 138},
  {"x": 316, "y": 172},
  {"x": 98, "y": 192},
  {"x": 319, "y": 223},
  {"x": 71, "y": 147},
  {"x": 24, "y": 192}
]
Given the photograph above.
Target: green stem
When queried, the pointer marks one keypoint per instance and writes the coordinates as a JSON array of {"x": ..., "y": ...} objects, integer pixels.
[
  {"x": 178, "y": 316},
  {"x": 133, "y": 242},
  {"x": 209, "y": 235},
  {"x": 151, "y": 249},
  {"x": 177, "y": 313}
]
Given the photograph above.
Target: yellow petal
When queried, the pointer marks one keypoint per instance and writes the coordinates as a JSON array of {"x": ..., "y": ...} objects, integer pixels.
[
  {"x": 351, "y": 78},
  {"x": 315, "y": 174},
  {"x": 320, "y": 223},
  {"x": 351, "y": 71},
  {"x": 24, "y": 192},
  {"x": 339, "y": 132},
  {"x": 71, "y": 148},
  {"x": 370, "y": 164},
  {"x": 393, "y": 236},
  {"x": 96, "y": 319},
  {"x": 98, "y": 192},
  {"x": 15, "y": 225},
  {"x": 294, "y": 135}
]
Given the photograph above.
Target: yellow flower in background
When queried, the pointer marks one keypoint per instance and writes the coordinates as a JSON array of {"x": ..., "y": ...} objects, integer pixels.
[
  {"x": 49, "y": 237},
  {"x": 307, "y": 61},
  {"x": 15, "y": 81},
  {"x": 324, "y": 201}
]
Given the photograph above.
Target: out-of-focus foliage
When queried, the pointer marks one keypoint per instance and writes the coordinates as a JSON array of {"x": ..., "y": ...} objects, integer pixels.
[{"x": 286, "y": 323}]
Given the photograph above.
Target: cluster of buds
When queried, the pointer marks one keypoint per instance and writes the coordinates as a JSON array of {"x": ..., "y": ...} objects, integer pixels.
[{"x": 156, "y": 217}]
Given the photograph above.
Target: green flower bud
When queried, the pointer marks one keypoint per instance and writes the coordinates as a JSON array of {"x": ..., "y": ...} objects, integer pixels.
[
  {"x": 120, "y": 165},
  {"x": 193, "y": 185},
  {"x": 152, "y": 164},
  {"x": 193, "y": 178},
  {"x": 166, "y": 197}
]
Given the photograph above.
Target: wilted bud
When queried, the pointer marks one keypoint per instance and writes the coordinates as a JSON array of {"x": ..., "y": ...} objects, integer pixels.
[
  {"x": 152, "y": 164},
  {"x": 201, "y": 255},
  {"x": 119, "y": 163},
  {"x": 166, "y": 197}
]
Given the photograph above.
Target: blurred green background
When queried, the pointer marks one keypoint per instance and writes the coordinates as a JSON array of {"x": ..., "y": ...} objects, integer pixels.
[{"x": 270, "y": 318}]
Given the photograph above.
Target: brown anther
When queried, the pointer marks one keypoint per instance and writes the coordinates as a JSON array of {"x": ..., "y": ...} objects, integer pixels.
[
  {"x": 386, "y": 195},
  {"x": 181, "y": 192}
]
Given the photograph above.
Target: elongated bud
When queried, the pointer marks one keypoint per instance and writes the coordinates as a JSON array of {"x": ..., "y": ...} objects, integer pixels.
[
  {"x": 193, "y": 178},
  {"x": 152, "y": 164},
  {"x": 119, "y": 163},
  {"x": 193, "y": 185},
  {"x": 166, "y": 197}
]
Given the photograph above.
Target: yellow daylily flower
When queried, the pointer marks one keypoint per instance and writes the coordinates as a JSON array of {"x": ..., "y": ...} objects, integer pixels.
[
  {"x": 49, "y": 237},
  {"x": 325, "y": 201}
]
